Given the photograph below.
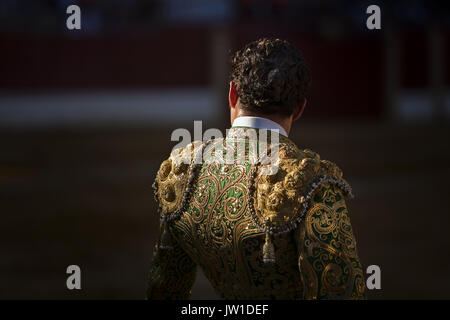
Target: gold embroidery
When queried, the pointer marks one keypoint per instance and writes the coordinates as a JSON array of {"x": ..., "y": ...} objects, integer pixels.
[
  {"x": 328, "y": 256},
  {"x": 280, "y": 198},
  {"x": 217, "y": 232}
]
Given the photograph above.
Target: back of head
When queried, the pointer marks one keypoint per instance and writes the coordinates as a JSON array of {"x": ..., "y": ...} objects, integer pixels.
[{"x": 271, "y": 77}]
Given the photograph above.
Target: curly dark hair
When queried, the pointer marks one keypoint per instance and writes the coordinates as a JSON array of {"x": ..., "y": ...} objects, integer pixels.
[{"x": 271, "y": 77}]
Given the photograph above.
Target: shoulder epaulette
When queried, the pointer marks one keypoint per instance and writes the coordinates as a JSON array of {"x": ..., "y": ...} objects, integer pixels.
[{"x": 278, "y": 202}]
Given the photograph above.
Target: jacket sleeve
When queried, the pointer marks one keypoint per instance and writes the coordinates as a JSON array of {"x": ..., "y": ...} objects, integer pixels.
[
  {"x": 172, "y": 273},
  {"x": 327, "y": 255}
]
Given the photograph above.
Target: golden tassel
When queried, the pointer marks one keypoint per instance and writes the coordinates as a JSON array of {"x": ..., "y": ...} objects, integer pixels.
[
  {"x": 268, "y": 250},
  {"x": 166, "y": 241}
]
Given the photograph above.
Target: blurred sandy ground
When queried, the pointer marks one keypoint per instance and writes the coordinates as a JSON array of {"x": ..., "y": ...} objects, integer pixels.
[{"x": 84, "y": 197}]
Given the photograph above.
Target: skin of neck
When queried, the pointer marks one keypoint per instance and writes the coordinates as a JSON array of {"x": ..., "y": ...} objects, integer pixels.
[{"x": 237, "y": 111}]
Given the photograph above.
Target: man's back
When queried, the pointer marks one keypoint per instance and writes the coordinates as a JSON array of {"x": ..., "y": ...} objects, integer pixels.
[{"x": 284, "y": 235}]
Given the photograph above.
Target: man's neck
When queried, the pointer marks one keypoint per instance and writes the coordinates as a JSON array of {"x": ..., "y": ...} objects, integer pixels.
[
  {"x": 284, "y": 122},
  {"x": 259, "y": 123}
]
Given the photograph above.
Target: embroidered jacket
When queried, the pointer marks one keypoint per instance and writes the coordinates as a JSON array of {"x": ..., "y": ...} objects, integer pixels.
[{"x": 255, "y": 233}]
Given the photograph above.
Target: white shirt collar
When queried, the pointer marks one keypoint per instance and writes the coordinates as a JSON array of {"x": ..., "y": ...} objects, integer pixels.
[{"x": 258, "y": 123}]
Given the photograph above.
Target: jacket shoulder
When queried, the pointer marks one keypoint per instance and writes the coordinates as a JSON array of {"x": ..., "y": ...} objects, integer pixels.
[
  {"x": 281, "y": 199},
  {"x": 173, "y": 179}
]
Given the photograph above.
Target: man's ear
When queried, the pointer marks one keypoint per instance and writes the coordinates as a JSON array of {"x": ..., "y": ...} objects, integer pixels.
[
  {"x": 232, "y": 95},
  {"x": 298, "y": 112}
]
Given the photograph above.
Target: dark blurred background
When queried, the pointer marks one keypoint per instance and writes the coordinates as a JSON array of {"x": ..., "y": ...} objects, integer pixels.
[{"x": 86, "y": 117}]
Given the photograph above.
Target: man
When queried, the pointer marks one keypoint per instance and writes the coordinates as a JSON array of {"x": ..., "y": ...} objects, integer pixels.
[{"x": 280, "y": 234}]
